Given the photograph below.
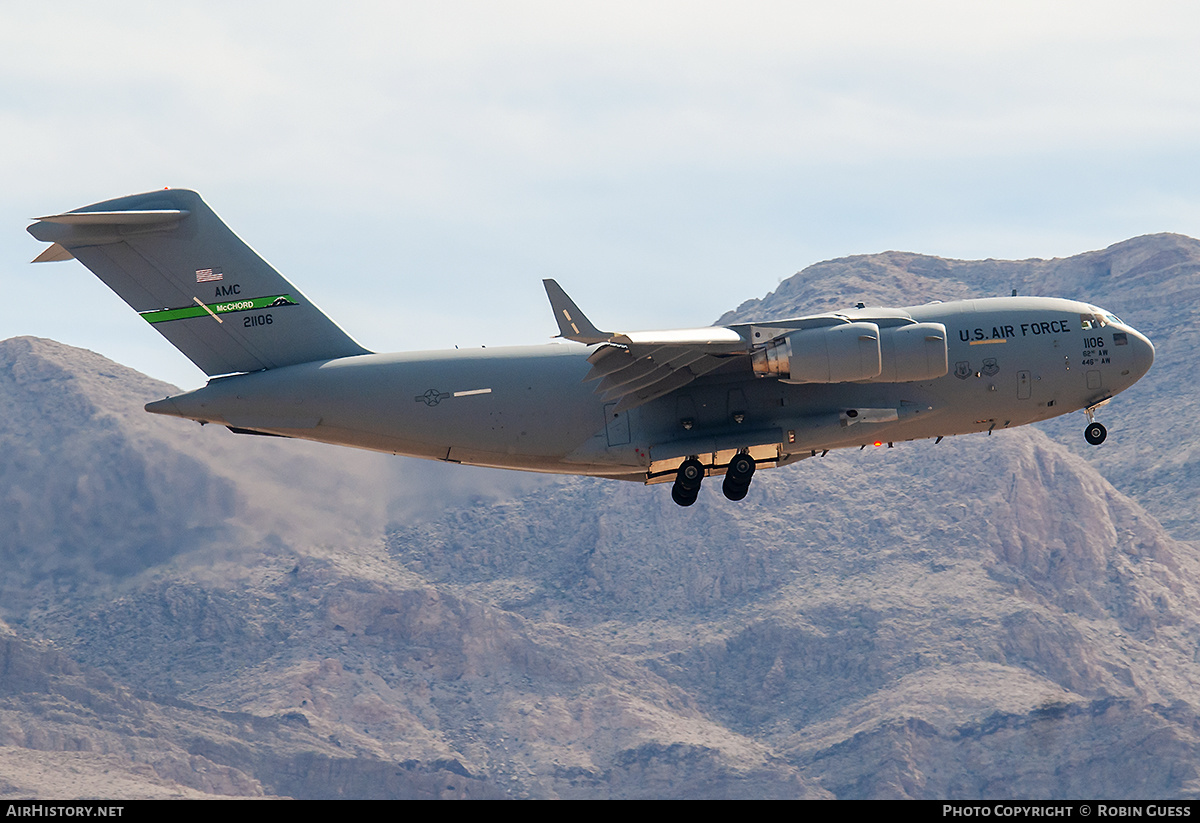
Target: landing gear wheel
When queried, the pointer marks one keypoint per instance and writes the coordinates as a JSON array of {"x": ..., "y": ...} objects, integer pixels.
[
  {"x": 1095, "y": 434},
  {"x": 690, "y": 475},
  {"x": 687, "y": 482},
  {"x": 741, "y": 468},
  {"x": 738, "y": 476},
  {"x": 683, "y": 497},
  {"x": 734, "y": 491}
]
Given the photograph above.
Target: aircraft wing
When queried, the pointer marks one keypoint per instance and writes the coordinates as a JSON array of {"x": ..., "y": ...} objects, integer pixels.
[
  {"x": 636, "y": 367},
  {"x": 861, "y": 344},
  {"x": 636, "y": 373}
]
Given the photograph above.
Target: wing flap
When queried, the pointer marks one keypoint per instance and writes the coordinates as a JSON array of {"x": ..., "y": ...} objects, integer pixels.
[
  {"x": 636, "y": 367},
  {"x": 52, "y": 254},
  {"x": 634, "y": 371},
  {"x": 608, "y": 360},
  {"x": 670, "y": 382},
  {"x": 661, "y": 366}
]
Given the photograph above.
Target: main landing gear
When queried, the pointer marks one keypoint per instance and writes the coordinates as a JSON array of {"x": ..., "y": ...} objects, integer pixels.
[
  {"x": 687, "y": 482},
  {"x": 738, "y": 475},
  {"x": 1095, "y": 432}
]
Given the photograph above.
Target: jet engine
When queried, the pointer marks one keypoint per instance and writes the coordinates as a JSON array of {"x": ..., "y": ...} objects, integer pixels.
[
  {"x": 913, "y": 352},
  {"x": 832, "y": 354},
  {"x": 856, "y": 352}
]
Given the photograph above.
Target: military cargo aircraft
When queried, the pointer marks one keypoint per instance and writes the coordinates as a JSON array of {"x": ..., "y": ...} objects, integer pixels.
[{"x": 653, "y": 406}]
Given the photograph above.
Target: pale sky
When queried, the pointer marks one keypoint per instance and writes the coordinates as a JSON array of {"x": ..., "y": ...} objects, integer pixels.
[{"x": 418, "y": 168}]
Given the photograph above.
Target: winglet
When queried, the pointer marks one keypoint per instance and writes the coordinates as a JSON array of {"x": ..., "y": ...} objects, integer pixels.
[{"x": 572, "y": 323}]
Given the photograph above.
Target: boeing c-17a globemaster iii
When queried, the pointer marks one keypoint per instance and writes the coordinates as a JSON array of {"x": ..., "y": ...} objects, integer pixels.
[{"x": 660, "y": 406}]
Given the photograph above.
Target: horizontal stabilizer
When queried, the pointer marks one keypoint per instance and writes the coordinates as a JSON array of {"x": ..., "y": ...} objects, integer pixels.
[{"x": 144, "y": 217}]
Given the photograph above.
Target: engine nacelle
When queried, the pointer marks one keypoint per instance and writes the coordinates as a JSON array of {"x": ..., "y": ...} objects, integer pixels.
[
  {"x": 856, "y": 352},
  {"x": 913, "y": 352},
  {"x": 843, "y": 353}
]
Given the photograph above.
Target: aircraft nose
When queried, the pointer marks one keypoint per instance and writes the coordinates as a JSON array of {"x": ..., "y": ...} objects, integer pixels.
[{"x": 1143, "y": 353}]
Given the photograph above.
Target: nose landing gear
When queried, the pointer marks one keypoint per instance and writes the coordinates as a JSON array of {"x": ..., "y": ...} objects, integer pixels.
[{"x": 1095, "y": 433}]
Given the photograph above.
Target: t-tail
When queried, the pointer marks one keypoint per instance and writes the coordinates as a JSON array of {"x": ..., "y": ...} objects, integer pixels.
[{"x": 170, "y": 257}]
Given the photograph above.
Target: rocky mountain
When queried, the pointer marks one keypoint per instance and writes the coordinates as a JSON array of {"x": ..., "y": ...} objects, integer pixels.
[{"x": 195, "y": 613}]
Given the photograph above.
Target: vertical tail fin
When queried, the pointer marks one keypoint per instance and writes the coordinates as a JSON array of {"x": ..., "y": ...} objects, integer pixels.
[{"x": 169, "y": 256}]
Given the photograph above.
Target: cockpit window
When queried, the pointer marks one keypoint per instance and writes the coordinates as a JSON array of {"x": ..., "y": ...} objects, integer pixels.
[{"x": 1097, "y": 320}]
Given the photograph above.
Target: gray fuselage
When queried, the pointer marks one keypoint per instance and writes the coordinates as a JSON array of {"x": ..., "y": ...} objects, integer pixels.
[{"x": 1012, "y": 361}]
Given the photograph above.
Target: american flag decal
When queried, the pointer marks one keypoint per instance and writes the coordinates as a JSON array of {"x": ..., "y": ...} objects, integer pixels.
[{"x": 208, "y": 275}]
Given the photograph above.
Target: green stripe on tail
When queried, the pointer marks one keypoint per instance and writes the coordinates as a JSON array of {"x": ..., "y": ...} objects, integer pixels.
[{"x": 225, "y": 307}]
